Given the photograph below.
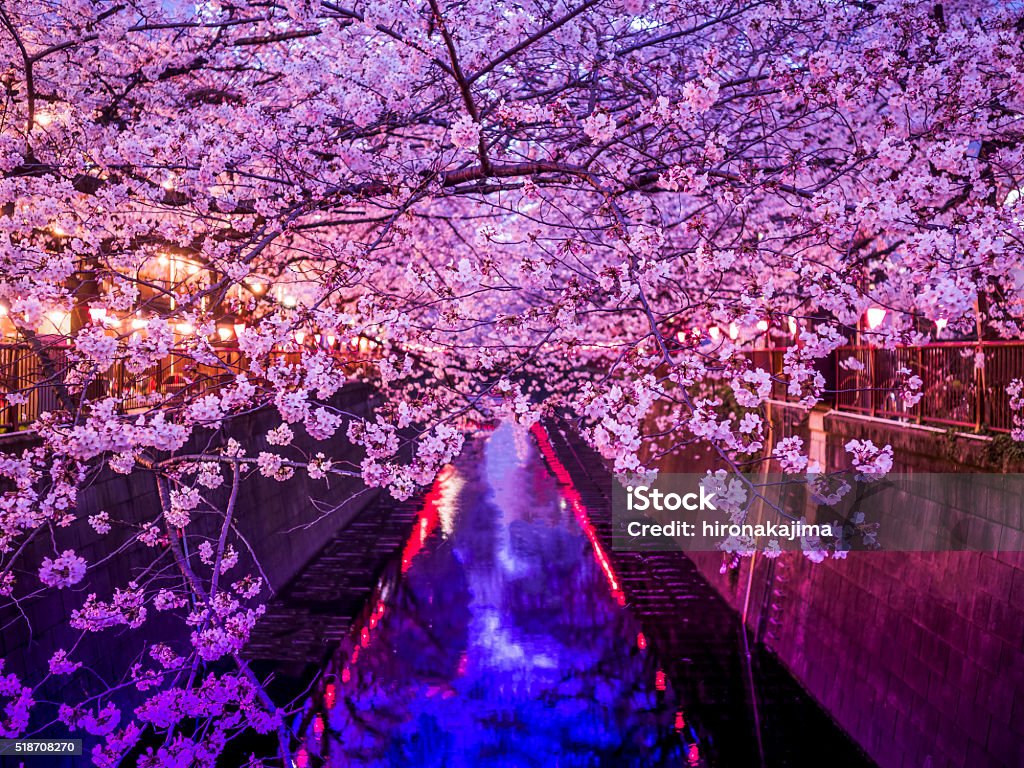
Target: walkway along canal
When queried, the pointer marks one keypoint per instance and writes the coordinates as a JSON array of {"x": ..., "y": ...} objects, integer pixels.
[{"x": 504, "y": 632}]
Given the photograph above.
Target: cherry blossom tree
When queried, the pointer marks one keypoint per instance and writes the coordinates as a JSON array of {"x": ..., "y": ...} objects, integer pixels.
[{"x": 578, "y": 208}]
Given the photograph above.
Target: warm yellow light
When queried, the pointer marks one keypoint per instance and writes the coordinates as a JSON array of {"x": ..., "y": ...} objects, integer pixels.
[
  {"x": 792, "y": 326},
  {"x": 876, "y": 316},
  {"x": 762, "y": 325},
  {"x": 168, "y": 183},
  {"x": 239, "y": 330},
  {"x": 940, "y": 324},
  {"x": 300, "y": 336},
  {"x": 139, "y": 323},
  {"x": 98, "y": 314},
  {"x": 289, "y": 301},
  {"x": 43, "y": 119},
  {"x": 185, "y": 329},
  {"x": 223, "y": 332},
  {"x": 734, "y": 331},
  {"x": 60, "y": 320},
  {"x": 331, "y": 338},
  {"x": 714, "y": 332}
]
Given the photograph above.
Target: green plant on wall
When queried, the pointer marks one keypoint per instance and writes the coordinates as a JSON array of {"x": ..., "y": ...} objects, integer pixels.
[{"x": 1003, "y": 451}]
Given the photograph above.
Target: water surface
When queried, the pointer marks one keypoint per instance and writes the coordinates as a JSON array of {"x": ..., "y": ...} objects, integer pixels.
[{"x": 499, "y": 639}]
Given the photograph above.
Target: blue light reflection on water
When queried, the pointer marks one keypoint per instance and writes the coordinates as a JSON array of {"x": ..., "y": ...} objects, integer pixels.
[{"x": 500, "y": 644}]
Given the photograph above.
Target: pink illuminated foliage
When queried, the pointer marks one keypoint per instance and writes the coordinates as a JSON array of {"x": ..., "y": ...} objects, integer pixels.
[{"x": 581, "y": 208}]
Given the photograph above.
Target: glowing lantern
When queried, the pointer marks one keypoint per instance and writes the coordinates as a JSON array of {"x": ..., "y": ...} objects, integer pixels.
[
  {"x": 734, "y": 331},
  {"x": 97, "y": 314},
  {"x": 224, "y": 332},
  {"x": 876, "y": 316},
  {"x": 792, "y": 326},
  {"x": 257, "y": 285},
  {"x": 239, "y": 329},
  {"x": 60, "y": 320},
  {"x": 940, "y": 324},
  {"x": 715, "y": 332},
  {"x": 762, "y": 325},
  {"x": 300, "y": 336}
]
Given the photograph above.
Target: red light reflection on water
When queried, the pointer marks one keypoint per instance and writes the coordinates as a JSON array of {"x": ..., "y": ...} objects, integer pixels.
[
  {"x": 426, "y": 524},
  {"x": 428, "y": 518},
  {"x": 575, "y": 502}
]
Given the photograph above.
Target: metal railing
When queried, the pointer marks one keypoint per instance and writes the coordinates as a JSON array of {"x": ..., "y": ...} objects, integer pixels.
[
  {"x": 963, "y": 383},
  {"x": 40, "y": 377}
]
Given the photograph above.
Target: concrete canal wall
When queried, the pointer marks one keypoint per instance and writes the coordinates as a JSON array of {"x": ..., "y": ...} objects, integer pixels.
[
  {"x": 919, "y": 656},
  {"x": 280, "y": 521}
]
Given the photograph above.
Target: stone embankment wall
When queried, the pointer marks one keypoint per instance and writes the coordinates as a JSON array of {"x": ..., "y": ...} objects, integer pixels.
[
  {"x": 919, "y": 656},
  {"x": 285, "y": 524}
]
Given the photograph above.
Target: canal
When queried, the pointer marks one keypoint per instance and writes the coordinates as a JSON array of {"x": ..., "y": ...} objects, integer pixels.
[{"x": 502, "y": 633}]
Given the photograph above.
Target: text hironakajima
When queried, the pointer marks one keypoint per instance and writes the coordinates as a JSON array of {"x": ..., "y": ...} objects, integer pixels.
[{"x": 709, "y": 529}]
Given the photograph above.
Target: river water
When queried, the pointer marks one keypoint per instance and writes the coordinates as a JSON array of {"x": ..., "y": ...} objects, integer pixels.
[{"x": 499, "y": 638}]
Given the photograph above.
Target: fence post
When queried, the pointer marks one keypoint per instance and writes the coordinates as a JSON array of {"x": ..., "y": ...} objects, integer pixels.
[
  {"x": 872, "y": 378},
  {"x": 919, "y": 408},
  {"x": 979, "y": 386}
]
